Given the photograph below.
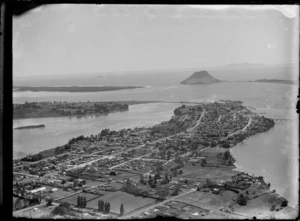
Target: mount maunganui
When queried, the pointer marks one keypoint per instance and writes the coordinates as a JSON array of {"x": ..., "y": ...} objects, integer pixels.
[{"x": 200, "y": 77}]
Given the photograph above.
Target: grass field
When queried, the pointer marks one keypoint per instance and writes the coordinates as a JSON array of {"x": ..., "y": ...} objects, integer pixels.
[
  {"x": 121, "y": 174},
  {"x": 203, "y": 200},
  {"x": 73, "y": 199},
  {"x": 203, "y": 173},
  {"x": 115, "y": 199},
  {"x": 59, "y": 193}
]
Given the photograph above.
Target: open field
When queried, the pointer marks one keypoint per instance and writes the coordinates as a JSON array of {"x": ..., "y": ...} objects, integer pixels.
[
  {"x": 59, "y": 193},
  {"x": 201, "y": 199},
  {"x": 73, "y": 199},
  {"x": 122, "y": 174},
  {"x": 203, "y": 173},
  {"x": 115, "y": 199}
]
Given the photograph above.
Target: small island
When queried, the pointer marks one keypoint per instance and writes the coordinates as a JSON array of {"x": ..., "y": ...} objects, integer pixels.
[
  {"x": 74, "y": 88},
  {"x": 201, "y": 77},
  {"x": 30, "y": 127}
]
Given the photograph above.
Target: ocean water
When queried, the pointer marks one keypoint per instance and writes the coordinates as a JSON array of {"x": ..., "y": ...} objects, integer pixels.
[{"x": 273, "y": 154}]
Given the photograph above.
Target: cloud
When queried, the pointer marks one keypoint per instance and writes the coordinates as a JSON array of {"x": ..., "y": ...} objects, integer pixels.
[
  {"x": 17, "y": 55},
  {"x": 65, "y": 6},
  {"x": 271, "y": 46},
  {"x": 36, "y": 9},
  {"x": 26, "y": 24},
  {"x": 290, "y": 11},
  {"x": 16, "y": 38},
  {"x": 138, "y": 49},
  {"x": 71, "y": 28}
]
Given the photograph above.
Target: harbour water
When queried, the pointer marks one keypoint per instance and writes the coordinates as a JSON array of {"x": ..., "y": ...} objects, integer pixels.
[{"x": 273, "y": 154}]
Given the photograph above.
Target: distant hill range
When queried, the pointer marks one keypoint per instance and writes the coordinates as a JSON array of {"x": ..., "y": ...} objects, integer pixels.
[
  {"x": 245, "y": 65},
  {"x": 200, "y": 77}
]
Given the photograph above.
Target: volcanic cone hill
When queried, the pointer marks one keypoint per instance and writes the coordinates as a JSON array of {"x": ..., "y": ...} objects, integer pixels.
[{"x": 200, "y": 77}]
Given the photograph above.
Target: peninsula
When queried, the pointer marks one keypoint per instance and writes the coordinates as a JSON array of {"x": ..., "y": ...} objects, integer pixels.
[
  {"x": 181, "y": 168},
  {"x": 62, "y": 109},
  {"x": 30, "y": 127},
  {"x": 201, "y": 77},
  {"x": 74, "y": 88},
  {"x": 276, "y": 81}
]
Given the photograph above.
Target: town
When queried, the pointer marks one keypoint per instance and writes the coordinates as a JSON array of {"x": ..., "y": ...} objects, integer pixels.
[{"x": 180, "y": 168}]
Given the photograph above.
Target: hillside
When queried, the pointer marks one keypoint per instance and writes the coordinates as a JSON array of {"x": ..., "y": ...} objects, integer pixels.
[{"x": 200, "y": 77}]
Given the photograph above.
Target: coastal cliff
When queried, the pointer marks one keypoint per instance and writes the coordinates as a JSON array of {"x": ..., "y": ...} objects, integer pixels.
[{"x": 200, "y": 77}]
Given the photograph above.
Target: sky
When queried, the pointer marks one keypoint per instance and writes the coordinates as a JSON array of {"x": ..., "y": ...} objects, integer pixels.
[{"x": 73, "y": 39}]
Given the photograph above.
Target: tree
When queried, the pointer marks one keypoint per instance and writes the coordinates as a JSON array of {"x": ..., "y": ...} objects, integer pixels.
[
  {"x": 19, "y": 204},
  {"x": 101, "y": 205},
  {"x": 284, "y": 203},
  {"x": 108, "y": 207},
  {"x": 176, "y": 190},
  {"x": 203, "y": 162},
  {"x": 242, "y": 200},
  {"x": 105, "y": 207},
  {"x": 272, "y": 208},
  {"x": 84, "y": 202},
  {"x": 167, "y": 178},
  {"x": 175, "y": 173},
  {"x": 121, "y": 210},
  {"x": 157, "y": 176},
  {"x": 65, "y": 205},
  {"x": 159, "y": 166},
  {"x": 226, "y": 145},
  {"x": 214, "y": 143},
  {"x": 78, "y": 202},
  {"x": 81, "y": 204},
  {"x": 113, "y": 173},
  {"x": 62, "y": 209},
  {"x": 142, "y": 179},
  {"x": 49, "y": 201},
  {"x": 163, "y": 193},
  {"x": 227, "y": 155}
]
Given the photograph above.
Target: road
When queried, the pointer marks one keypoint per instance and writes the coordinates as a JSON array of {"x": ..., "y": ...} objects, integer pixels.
[
  {"x": 129, "y": 161},
  {"x": 238, "y": 131},
  {"x": 198, "y": 122},
  {"x": 26, "y": 174},
  {"x": 248, "y": 124}
]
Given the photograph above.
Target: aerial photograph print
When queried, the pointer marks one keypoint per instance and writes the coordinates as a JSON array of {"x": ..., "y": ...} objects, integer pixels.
[{"x": 146, "y": 111}]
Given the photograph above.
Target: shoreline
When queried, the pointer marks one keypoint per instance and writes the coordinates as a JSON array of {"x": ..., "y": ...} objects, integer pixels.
[
  {"x": 74, "y": 88},
  {"x": 30, "y": 127},
  {"x": 257, "y": 172}
]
